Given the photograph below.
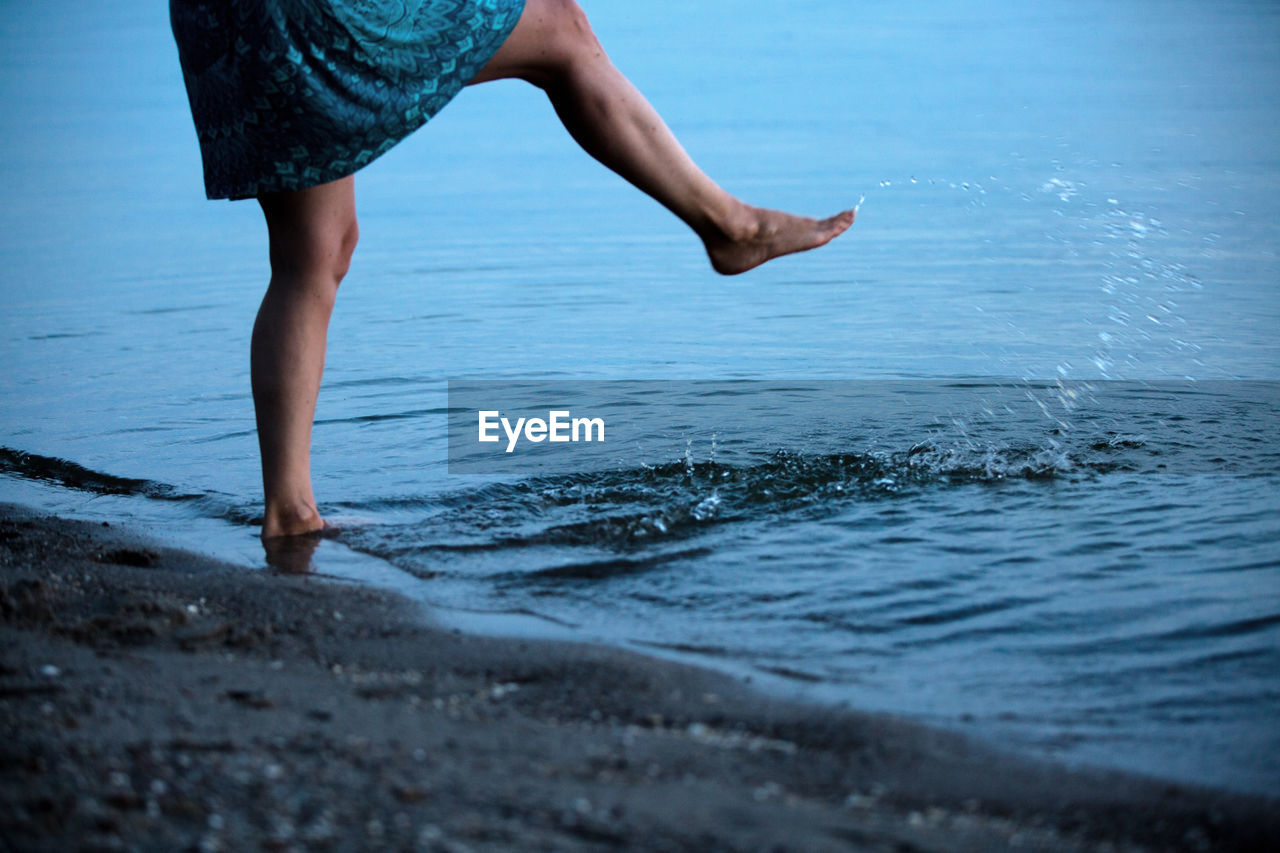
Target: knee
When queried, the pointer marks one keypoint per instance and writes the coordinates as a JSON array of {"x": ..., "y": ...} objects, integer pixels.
[
  {"x": 318, "y": 257},
  {"x": 344, "y": 248},
  {"x": 567, "y": 38},
  {"x": 571, "y": 21}
]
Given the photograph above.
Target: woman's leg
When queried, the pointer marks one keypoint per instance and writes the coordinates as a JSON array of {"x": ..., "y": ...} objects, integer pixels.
[
  {"x": 553, "y": 48},
  {"x": 313, "y": 234}
]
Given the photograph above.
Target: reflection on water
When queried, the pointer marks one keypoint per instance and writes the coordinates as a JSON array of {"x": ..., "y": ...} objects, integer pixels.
[{"x": 1062, "y": 191}]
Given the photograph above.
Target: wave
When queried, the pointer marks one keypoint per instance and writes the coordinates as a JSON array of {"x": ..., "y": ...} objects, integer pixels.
[
  {"x": 72, "y": 475},
  {"x": 655, "y": 507}
]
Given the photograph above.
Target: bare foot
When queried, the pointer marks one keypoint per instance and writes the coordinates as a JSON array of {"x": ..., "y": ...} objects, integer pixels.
[
  {"x": 761, "y": 235},
  {"x": 292, "y": 554}
]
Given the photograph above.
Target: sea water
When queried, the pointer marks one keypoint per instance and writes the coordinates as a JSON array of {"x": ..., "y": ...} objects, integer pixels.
[{"x": 1065, "y": 261}]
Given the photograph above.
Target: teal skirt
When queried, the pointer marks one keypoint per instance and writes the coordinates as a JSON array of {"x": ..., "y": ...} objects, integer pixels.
[{"x": 289, "y": 94}]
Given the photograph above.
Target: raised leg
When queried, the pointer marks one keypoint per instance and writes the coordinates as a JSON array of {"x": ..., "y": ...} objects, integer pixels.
[
  {"x": 554, "y": 48},
  {"x": 313, "y": 234}
]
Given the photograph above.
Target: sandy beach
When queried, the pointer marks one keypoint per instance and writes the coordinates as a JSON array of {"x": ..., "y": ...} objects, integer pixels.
[{"x": 152, "y": 699}]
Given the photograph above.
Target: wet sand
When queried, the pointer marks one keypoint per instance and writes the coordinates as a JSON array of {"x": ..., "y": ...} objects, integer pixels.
[{"x": 153, "y": 699}]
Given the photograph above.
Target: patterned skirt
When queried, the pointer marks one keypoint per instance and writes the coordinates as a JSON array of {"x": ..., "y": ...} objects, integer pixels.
[{"x": 288, "y": 94}]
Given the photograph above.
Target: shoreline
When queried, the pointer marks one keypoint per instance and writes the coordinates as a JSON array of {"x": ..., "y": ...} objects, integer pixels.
[{"x": 152, "y": 698}]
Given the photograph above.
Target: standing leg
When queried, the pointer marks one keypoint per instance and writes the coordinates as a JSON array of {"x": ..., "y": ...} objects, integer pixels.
[
  {"x": 313, "y": 234},
  {"x": 553, "y": 48}
]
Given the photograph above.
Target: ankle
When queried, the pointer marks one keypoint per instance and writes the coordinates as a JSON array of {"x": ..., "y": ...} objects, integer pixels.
[
  {"x": 291, "y": 519},
  {"x": 736, "y": 223}
]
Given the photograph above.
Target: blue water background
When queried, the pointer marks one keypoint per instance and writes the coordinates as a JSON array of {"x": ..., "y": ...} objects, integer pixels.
[{"x": 1079, "y": 190}]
